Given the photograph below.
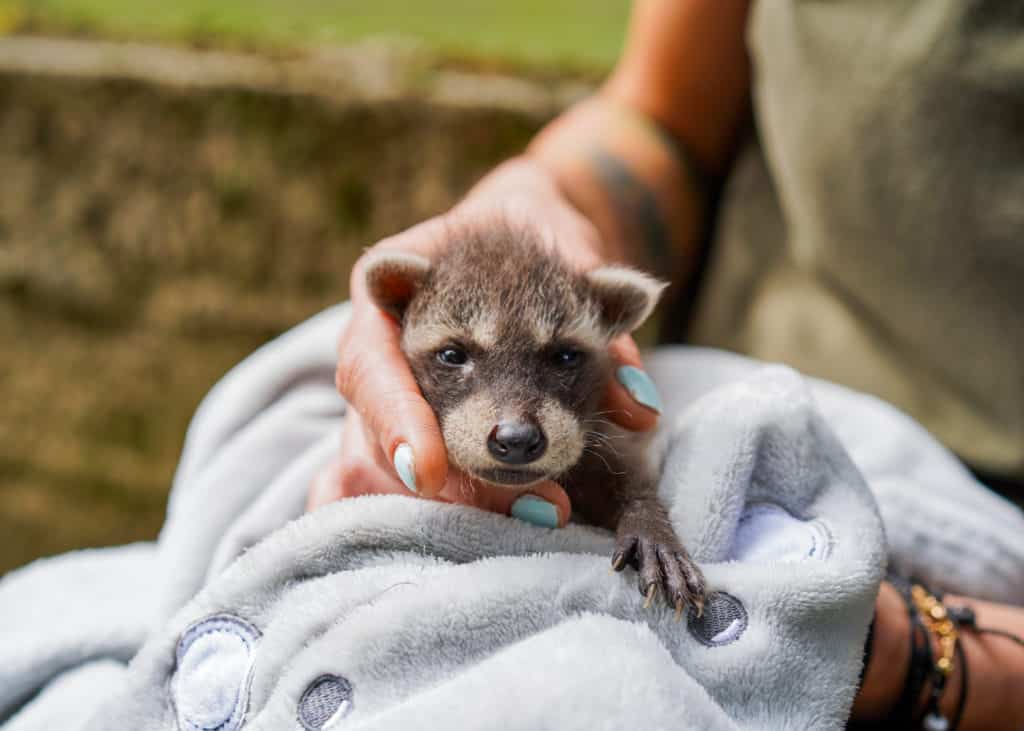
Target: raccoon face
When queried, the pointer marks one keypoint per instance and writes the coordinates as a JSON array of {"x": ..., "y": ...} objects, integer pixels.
[{"x": 510, "y": 349}]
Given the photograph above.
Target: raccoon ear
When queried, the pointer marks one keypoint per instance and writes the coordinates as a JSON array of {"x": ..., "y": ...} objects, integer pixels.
[
  {"x": 626, "y": 297},
  {"x": 393, "y": 277}
]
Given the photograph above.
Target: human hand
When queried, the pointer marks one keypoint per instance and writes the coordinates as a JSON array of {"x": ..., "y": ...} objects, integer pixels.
[{"x": 391, "y": 439}]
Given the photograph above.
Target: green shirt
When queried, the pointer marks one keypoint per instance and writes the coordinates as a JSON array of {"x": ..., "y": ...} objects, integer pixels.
[{"x": 875, "y": 237}]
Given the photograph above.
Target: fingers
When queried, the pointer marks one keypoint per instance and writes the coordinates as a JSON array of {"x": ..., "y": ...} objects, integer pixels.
[
  {"x": 352, "y": 477},
  {"x": 631, "y": 397},
  {"x": 360, "y": 469},
  {"x": 324, "y": 488},
  {"x": 544, "y": 504},
  {"x": 375, "y": 379},
  {"x": 549, "y": 492}
]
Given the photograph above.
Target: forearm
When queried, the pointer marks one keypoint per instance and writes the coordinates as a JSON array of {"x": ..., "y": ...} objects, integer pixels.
[
  {"x": 995, "y": 667},
  {"x": 615, "y": 166},
  {"x": 627, "y": 158}
]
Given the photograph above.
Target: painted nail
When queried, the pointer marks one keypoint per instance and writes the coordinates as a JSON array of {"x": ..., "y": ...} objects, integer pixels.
[
  {"x": 640, "y": 387},
  {"x": 535, "y": 510},
  {"x": 405, "y": 466}
]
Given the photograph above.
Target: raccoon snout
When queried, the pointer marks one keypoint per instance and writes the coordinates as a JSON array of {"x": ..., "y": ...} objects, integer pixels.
[{"x": 516, "y": 442}]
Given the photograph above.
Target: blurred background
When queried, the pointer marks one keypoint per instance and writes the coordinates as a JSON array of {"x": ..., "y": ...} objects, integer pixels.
[{"x": 180, "y": 182}]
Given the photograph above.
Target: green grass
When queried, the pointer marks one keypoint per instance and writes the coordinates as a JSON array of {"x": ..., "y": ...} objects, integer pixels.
[{"x": 584, "y": 34}]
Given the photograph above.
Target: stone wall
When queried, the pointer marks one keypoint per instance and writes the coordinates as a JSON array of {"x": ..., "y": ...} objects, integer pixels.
[{"x": 161, "y": 219}]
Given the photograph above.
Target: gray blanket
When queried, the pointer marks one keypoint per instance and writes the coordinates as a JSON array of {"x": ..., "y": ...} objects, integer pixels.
[{"x": 394, "y": 612}]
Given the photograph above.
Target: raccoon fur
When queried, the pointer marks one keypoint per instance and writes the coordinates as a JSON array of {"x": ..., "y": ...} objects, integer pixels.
[{"x": 509, "y": 346}]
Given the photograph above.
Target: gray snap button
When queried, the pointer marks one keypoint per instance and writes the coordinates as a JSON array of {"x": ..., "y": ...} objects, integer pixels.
[
  {"x": 722, "y": 623},
  {"x": 326, "y": 700}
]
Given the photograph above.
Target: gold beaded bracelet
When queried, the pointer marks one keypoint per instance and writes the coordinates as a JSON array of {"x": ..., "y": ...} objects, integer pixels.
[{"x": 938, "y": 622}]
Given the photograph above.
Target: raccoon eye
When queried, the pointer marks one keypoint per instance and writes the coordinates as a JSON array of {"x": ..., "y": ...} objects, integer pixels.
[
  {"x": 452, "y": 356},
  {"x": 568, "y": 358}
]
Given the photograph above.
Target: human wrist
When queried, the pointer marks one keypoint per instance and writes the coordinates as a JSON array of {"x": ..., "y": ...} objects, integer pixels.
[
  {"x": 888, "y": 658},
  {"x": 982, "y": 689},
  {"x": 616, "y": 167}
]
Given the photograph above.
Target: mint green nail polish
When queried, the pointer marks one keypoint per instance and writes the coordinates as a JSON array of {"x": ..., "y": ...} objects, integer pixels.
[
  {"x": 535, "y": 510},
  {"x": 405, "y": 466},
  {"x": 640, "y": 387}
]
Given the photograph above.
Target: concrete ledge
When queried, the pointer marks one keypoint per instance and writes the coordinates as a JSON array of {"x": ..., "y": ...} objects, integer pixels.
[{"x": 365, "y": 73}]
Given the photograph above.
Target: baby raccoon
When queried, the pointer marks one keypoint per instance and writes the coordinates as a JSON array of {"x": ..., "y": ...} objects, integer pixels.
[{"x": 510, "y": 348}]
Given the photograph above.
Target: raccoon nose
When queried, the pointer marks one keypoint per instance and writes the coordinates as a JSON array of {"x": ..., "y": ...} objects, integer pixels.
[{"x": 516, "y": 442}]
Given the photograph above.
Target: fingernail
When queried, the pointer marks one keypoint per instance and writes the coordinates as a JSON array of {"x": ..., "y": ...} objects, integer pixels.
[
  {"x": 535, "y": 510},
  {"x": 640, "y": 387},
  {"x": 405, "y": 466}
]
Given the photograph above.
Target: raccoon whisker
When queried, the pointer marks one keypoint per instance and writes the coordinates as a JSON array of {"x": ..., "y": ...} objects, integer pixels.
[
  {"x": 607, "y": 438},
  {"x": 601, "y": 415},
  {"x": 598, "y": 420},
  {"x": 602, "y": 451},
  {"x": 599, "y": 438},
  {"x": 601, "y": 457},
  {"x": 602, "y": 439}
]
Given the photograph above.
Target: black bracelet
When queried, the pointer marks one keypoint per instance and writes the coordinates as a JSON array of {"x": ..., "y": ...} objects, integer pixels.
[
  {"x": 920, "y": 665},
  {"x": 961, "y": 704}
]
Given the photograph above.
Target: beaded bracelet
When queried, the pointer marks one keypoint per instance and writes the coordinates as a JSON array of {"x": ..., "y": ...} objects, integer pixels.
[
  {"x": 925, "y": 610},
  {"x": 939, "y": 623},
  {"x": 904, "y": 712}
]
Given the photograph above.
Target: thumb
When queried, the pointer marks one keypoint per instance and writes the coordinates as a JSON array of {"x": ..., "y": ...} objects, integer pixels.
[
  {"x": 631, "y": 399},
  {"x": 378, "y": 384},
  {"x": 545, "y": 504}
]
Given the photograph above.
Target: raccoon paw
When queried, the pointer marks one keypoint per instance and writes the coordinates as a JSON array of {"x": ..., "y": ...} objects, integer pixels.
[{"x": 662, "y": 562}]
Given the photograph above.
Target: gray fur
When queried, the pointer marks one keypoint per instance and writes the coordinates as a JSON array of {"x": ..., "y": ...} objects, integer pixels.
[{"x": 512, "y": 306}]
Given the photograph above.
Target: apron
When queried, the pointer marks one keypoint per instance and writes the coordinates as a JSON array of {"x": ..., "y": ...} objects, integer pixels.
[{"x": 873, "y": 234}]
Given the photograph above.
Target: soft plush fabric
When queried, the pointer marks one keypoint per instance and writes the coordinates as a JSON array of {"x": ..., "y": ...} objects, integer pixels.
[{"x": 394, "y": 612}]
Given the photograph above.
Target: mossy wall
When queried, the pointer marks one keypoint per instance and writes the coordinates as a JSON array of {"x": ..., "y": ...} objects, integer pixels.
[{"x": 150, "y": 237}]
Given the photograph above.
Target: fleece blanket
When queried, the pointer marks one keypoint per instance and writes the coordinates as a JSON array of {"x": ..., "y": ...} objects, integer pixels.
[{"x": 396, "y": 613}]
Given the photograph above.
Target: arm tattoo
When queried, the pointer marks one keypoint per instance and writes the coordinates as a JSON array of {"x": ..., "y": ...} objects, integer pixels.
[{"x": 636, "y": 204}]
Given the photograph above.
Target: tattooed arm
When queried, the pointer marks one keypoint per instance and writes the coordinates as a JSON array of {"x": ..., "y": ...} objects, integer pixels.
[{"x": 636, "y": 158}]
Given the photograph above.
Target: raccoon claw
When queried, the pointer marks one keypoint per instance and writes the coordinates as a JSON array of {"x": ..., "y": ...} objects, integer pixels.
[
  {"x": 649, "y": 596},
  {"x": 684, "y": 582},
  {"x": 664, "y": 565},
  {"x": 625, "y": 553}
]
